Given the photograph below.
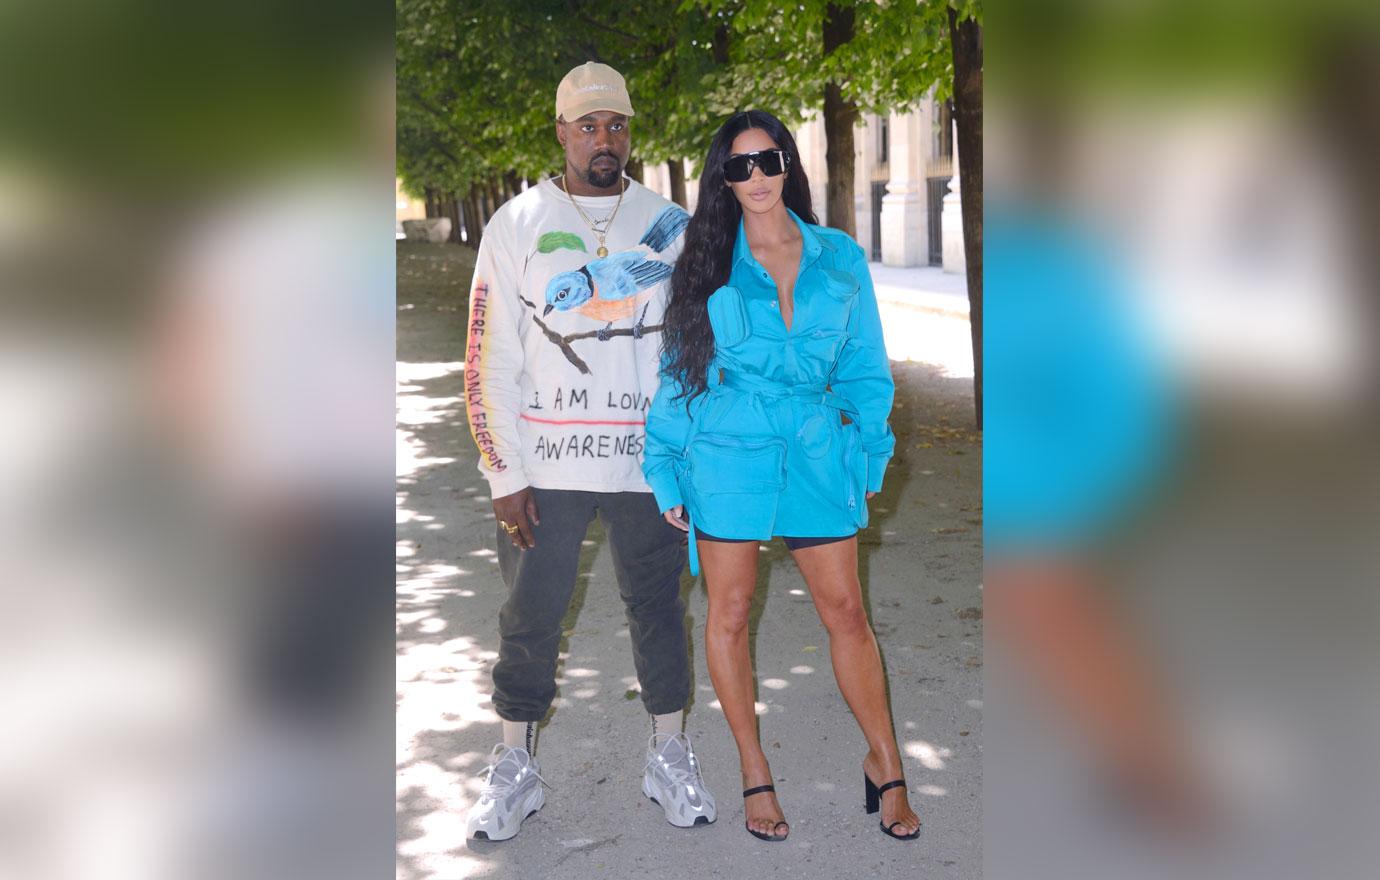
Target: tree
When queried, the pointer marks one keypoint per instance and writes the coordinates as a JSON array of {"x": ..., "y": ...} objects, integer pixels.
[
  {"x": 846, "y": 56},
  {"x": 966, "y": 40}
]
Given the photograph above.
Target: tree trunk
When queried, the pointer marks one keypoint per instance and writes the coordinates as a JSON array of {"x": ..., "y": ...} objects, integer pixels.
[
  {"x": 452, "y": 205},
  {"x": 676, "y": 170},
  {"x": 634, "y": 169},
  {"x": 481, "y": 206},
  {"x": 514, "y": 184},
  {"x": 474, "y": 219},
  {"x": 966, "y": 39},
  {"x": 840, "y": 116},
  {"x": 495, "y": 196},
  {"x": 433, "y": 204}
]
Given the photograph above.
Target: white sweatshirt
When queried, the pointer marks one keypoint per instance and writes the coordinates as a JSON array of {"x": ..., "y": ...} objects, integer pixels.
[{"x": 550, "y": 403}]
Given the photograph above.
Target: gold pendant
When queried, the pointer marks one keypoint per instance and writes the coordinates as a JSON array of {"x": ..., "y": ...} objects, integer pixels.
[{"x": 603, "y": 251}]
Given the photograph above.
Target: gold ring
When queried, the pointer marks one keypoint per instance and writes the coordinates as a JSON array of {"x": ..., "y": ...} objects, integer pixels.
[{"x": 510, "y": 529}]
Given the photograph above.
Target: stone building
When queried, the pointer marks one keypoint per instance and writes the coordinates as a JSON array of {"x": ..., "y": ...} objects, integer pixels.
[{"x": 905, "y": 190}]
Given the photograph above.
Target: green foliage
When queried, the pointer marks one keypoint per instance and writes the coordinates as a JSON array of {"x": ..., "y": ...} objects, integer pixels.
[
  {"x": 554, "y": 241},
  {"x": 476, "y": 79}
]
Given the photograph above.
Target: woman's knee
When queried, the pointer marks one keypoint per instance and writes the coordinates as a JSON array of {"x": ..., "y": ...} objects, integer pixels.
[
  {"x": 844, "y": 615},
  {"x": 728, "y": 615}
]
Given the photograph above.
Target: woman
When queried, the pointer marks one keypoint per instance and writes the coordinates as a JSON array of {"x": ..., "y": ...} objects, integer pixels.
[{"x": 772, "y": 337}]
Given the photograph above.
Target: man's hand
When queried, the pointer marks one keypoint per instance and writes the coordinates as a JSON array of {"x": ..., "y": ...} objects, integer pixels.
[
  {"x": 676, "y": 517},
  {"x": 871, "y": 495},
  {"x": 518, "y": 509}
]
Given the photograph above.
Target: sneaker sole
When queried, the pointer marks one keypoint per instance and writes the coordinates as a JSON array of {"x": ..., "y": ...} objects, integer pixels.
[
  {"x": 484, "y": 835},
  {"x": 699, "y": 820}
]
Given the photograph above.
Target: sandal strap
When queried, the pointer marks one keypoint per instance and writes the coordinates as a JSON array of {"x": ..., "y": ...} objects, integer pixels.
[
  {"x": 895, "y": 783},
  {"x": 758, "y": 790}
]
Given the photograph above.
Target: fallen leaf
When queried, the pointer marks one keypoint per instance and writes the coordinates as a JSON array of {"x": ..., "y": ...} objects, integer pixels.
[
  {"x": 937, "y": 600},
  {"x": 809, "y": 649},
  {"x": 973, "y": 613}
]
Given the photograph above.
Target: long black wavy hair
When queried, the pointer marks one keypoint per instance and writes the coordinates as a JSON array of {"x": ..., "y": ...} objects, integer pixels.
[{"x": 705, "y": 262}]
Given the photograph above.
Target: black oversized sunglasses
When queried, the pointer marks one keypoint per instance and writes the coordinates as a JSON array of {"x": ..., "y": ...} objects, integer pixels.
[{"x": 772, "y": 162}]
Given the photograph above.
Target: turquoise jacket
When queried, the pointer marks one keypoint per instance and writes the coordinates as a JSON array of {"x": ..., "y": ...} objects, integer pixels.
[{"x": 766, "y": 450}]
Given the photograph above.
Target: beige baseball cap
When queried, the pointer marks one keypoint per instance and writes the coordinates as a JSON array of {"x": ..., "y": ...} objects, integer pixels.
[{"x": 589, "y": 87}]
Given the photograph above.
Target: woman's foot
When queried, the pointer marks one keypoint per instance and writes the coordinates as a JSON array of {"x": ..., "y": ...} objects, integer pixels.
[
  {"x": 895, "y": 806},
  {"x": 762, "y": 811}
]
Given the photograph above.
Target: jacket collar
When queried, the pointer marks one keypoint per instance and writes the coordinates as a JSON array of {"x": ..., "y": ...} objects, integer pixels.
[{"x": 812, "y": 243}]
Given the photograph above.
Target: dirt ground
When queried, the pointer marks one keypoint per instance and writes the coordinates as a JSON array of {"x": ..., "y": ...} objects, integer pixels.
[{"x": 921, "y": 561}]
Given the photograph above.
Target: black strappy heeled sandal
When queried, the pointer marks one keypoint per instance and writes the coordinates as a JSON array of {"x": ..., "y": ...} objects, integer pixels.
[
  {"x": 873, "y": 796},
  {"x": 773, "y": 837}
]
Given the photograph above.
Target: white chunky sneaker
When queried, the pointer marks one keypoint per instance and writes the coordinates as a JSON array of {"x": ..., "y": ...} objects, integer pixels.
[
  {"x": 512, "y": 792},
  {"x": 672, "y": 781}
]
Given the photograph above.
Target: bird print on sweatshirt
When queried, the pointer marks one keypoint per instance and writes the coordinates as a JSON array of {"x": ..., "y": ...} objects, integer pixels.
[{"x": 611, "y": 288}]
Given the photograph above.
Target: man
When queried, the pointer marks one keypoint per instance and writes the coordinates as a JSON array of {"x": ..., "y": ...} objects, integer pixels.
[{"x": 561, "y": 366}]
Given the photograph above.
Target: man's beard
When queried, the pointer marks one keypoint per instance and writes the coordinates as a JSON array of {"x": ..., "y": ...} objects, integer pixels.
[{"x": 603, "y": 179}]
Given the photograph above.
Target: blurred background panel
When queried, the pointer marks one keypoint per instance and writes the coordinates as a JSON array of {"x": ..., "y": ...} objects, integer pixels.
[
  {"x": 196, "y": 323},
  {"x": 1182, "y": 478}
]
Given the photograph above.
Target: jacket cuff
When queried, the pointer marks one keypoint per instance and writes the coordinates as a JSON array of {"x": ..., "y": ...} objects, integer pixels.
[
  {"x": 666, "y": 490},
  {"x": 876, "y": 470},
  {"x": 506, "y": 482}
]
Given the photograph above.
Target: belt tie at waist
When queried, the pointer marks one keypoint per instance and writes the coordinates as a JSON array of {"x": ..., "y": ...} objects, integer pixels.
[{"x": 781, "y": 391}]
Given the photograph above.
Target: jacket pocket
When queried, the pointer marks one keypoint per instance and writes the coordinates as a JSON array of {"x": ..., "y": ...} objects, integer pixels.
[
  {"x": 842, "y": 286},
  {"x": 835, "y": 308},
  {"x": 735, "y": 482},
  {"x": 728, "y": 317},
  {"x": 723, "y": 463},
  {"x": 855, "y": 474},
  {"x": 815, "y": 436}
]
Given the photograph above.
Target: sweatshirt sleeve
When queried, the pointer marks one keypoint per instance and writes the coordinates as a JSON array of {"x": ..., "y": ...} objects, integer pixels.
[
  {"x": 493, "y": 365},
  {"x": 863, "y": 374}
]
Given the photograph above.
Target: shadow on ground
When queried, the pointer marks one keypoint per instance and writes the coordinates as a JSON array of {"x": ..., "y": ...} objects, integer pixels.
[{"x": 921, "y": 570}]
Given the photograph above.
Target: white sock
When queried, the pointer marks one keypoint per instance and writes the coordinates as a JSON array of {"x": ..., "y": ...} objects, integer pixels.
[
  {"x": 671, "y": 722},
  {"x": 521, "y": 735}
]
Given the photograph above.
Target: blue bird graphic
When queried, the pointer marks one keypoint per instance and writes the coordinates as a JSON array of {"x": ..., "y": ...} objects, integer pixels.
[{"x": 610, "y": 288}]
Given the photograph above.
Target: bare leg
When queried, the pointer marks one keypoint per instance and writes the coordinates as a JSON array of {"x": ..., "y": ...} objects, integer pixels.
[
  {"x": 730, "y": 576},
  {"x": 831, "y": 573}
]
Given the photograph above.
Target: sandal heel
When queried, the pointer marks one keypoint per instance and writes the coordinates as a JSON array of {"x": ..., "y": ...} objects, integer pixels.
[{"x": 873, "y": 802}]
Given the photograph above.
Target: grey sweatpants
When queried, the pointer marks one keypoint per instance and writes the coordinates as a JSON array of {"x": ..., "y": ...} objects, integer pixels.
[{"x": 648, "y": 556}]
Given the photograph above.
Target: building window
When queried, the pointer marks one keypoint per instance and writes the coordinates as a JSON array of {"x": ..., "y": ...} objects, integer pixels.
[
  {"x": 883, "y": 139},
  {"x": 944, "y": 130}
]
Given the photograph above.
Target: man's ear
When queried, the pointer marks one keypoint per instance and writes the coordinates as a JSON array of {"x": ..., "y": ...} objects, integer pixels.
[{"x": 560, "y": 130}]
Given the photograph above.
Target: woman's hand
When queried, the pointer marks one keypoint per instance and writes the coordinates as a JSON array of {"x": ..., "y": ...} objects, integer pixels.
[{"x": 675, "y": 516}]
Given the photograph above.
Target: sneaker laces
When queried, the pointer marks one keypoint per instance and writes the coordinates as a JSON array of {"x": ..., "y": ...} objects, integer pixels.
[
  {"x": 502, "y": 787},
  {"x": 678, "y": 773}
]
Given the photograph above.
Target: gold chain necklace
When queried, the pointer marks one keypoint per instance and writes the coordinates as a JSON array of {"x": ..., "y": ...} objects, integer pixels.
[{"x": 593, "y": 227}]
